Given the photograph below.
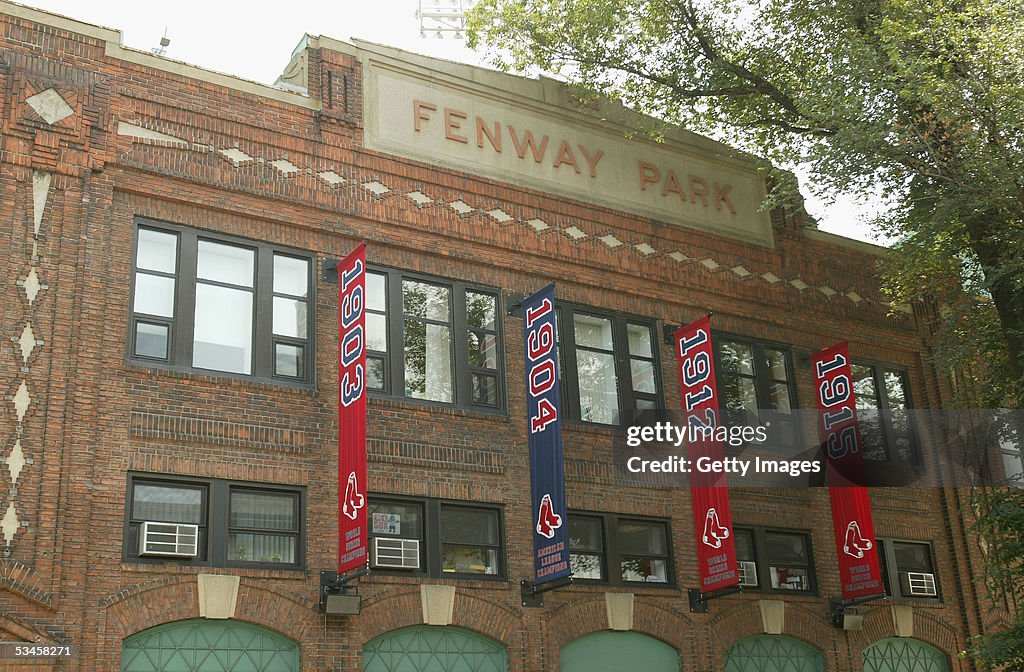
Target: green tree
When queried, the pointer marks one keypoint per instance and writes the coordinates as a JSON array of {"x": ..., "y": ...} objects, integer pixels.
[
  {"x": 1000, "y": 526},
  {"x": 923, "y": 101}
]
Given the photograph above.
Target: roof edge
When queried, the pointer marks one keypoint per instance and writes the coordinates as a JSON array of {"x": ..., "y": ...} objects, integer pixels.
[{"x": 114, "y": 48}]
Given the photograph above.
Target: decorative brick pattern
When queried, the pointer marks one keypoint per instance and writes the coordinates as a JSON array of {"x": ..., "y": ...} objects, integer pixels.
[
  {"x": 379, "y": 188},
  {"x": 185, "y": 429},
  {"x": 419, "y": 454},
  {"x": 51, "y": 107}
]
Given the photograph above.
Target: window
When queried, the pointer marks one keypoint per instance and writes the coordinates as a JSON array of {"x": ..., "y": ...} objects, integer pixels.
[
  {"x": 755, "y": 381},
  {"x": 618, "y": 549},
  {"x": 881, "y": 396},
  {"x": 774, "y": 560},
  {"x": 433, "y": 340},
  {"x": 239, "y": 524},
  {"x": 209, "y": 302},
  {"x": 436, "y": 538},
  {"x": 914, "y": 575},
  {"x": 607, "y": 364},
  {"x": 1013, "y": 461}
]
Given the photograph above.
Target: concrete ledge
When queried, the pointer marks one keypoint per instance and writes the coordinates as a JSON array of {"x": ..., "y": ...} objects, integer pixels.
[
  {"x": 773, "y": 616},
  {"x": 218, "y": 595},
  {"x": 843, "y": 241},
  {"x": 620, "y": 608},
  {"x": 903, "y": 620},
  {"x": 115, "y": 49},
  {"x": 438, "y": 603}
]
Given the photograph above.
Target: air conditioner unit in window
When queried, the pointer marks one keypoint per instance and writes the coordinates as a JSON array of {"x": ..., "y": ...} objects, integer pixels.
[
  {"x": 170, "y": 540},
  {"x": 748, "y": 573},
  {"x": 918, "y": 584},
  {"x": 391, "y": 553}
]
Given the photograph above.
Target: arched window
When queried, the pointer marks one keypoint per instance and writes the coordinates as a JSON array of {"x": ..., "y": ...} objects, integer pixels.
[
  {"x": 426, "y": 648},
  {"x": 772, "y": 653},
  {"x": 614, "y": 651},
  {"x": 202, "y": 645},
  {"x": 904, "y": 655}
]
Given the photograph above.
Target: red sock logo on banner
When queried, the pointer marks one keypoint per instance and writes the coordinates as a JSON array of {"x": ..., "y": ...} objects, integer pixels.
[
  {"x": 354, "y": 500},
  {"x": 714, "y": 532},
  {"x": 855, "y": 544},
  {"x": 547, "y": 520}
]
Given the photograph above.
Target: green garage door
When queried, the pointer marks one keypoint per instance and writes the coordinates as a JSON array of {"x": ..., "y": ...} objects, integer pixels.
[
  {"x": 426, "y": 648},
  {"x": 618, "y": 652},
  {"x": 772, "y": 653},
  {"x": 904, "y": 655},
  {"x": 201, "y": 645}
]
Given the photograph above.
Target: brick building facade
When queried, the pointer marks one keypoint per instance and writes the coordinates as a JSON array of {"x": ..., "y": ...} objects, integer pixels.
[{"x": 169, "y": 355}]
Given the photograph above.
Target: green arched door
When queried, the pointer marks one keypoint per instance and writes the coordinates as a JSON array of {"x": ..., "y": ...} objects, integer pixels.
[
  {"x": 202, "y": 645},
  {"x": 773, "y": 653},
  {"x": 898, "y": 654},
  {"x": 426, "y": 648},
  {"x": 618, "y": 652}
]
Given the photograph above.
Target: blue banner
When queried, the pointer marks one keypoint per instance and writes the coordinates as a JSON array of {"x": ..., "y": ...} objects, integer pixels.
[{"x": 544, "y": 420}]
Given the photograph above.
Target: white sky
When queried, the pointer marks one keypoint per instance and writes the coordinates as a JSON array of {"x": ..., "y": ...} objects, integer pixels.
[{"x": 254, "y": 40}]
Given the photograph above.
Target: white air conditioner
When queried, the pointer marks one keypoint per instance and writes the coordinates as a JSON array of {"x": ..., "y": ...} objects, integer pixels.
[
  {"x": 171, "y": 540},
  {"x": 748, "y": 573},
  {"x": 918, "y": 584},
  {"x": 391, "y": 553}
]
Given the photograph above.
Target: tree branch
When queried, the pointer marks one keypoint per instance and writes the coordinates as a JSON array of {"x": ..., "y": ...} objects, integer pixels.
[
  {"x": 763, "y": 86},
  {"x": 693, "y": 93}
]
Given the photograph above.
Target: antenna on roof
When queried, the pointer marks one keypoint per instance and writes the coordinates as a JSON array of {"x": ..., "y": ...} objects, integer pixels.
[
  {"x": 439, "y": 18},
  {"x": 164, "y": 42}
]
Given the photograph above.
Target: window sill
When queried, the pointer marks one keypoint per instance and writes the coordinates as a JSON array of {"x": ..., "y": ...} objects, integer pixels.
[
  {"x": 916, "y": 602},
  {"x": 591, "y": 428},
  {"x": 775, "y": 592},
  {"x": 437, "y": 408},
  {"x": 593, "y": 585},
  {"x": 221, "y": 379},
  {"x": 175, "y": 567},
  {"x": 499, "y": 583}
]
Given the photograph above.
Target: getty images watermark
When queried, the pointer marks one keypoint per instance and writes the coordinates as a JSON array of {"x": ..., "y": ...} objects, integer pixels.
[
  {"x": 905, "y": 448},
  {"x": 667, "y": 433}
]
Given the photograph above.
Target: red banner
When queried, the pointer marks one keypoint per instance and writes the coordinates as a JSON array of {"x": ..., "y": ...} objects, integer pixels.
[
  {"x": 352, "y": 547},
  {"x": 716, "y": 545},
  {"x": 856, "y": 546}
]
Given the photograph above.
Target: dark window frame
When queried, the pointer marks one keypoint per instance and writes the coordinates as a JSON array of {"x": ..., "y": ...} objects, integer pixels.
[
  {"x": 431, "y": 563},
  {"x": 612, "y": 556},
  {"x": 887, "y": 559},
  {"x": 601, "y": 555},
  {"x": 762, "y": 381},
  {"x": 462, "y": 370},
  {"x": 759, "y": 541},
  {"x": 569, "y": 367},
  {"x": 889, "y": 434},
  {"x": 181, "y": 326},
  {"x": 1013, "y": 464},
  {"x": 213, "y": 548}
]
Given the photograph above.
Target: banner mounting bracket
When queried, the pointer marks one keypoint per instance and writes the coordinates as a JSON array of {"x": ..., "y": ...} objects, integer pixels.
[
  {"x": 699, "y": 600},
  {"x": 533, "y": 594},
  {"x": 329, "y": 270},
  {"x": 844, "y": 613}
]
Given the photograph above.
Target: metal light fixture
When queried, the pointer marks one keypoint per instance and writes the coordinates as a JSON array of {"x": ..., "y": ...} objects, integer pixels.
[
  {"x": 844, "y": 615},
  {"x": 341, "y": 603},
  {"x": 336, "y": 597}
]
